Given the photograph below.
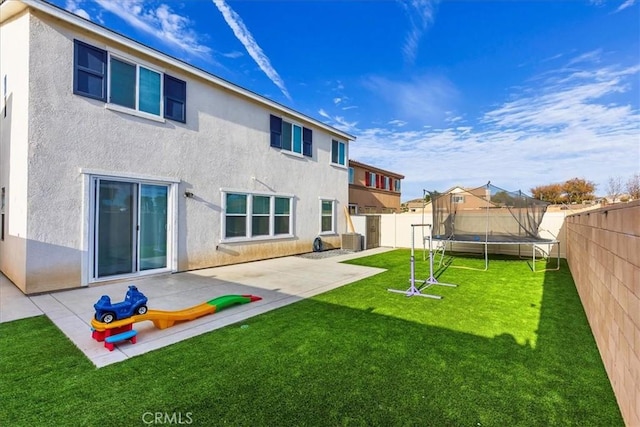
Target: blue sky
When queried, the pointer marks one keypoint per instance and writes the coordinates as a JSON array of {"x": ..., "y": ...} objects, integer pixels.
[{"x": 521, "y": 93}]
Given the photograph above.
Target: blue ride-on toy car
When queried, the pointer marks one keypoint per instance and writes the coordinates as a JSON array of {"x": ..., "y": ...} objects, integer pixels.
[{"x": 134, "y": 303}]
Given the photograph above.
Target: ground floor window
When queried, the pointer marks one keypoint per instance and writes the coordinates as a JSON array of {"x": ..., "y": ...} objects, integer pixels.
[
  {"x": 236, "y": 215},
  {"x": 327, "y": 216},
  {"x": 249, "y": 215}
]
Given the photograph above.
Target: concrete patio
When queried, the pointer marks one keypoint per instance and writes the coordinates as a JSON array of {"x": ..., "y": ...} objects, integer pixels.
[{"x": 279, "y": 281}]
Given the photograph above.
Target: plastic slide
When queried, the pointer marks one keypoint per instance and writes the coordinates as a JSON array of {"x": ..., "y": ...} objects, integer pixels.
[{"x": 163, "y": 319}]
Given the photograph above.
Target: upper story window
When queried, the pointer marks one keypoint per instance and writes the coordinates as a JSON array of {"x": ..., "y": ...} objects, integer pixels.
[
  {"x": 290, "y": 137},
  {"x": 457, "y": 199},
  {"x": 100, "y": 75},
  {"x": 249, "y": 216},
  {"x": 371, "y": 179},
  {"x": 338, "y": 152},
  {"x": 351, "y": 176},
  {"x": 382, "y": 182},
  {"x": 134, "y": 86}
]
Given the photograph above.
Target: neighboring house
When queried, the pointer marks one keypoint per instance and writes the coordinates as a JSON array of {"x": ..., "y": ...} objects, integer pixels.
[
  {"x": 118, "y": 161},
  {"x": 469, "y": 198},
  {"x": 415, "y": 206},
  {"x": 463, "y": 198},
  {"x": 373, "y": 190}
]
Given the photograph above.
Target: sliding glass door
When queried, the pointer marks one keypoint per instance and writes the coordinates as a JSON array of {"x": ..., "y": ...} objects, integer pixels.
[
  {"x": 130, "y": 227},
  {"x": 153, "y": 226}
]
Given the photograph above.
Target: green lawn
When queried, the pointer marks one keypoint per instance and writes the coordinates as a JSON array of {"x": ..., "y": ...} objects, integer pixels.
[{"x": 508, "y": 347}]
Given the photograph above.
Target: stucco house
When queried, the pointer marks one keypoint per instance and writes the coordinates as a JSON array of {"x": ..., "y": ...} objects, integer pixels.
[{"x": 118, "y": 161}]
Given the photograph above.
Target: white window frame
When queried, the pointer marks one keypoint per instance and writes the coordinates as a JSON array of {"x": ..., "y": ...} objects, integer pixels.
[
  {"x": 333, "y": 216},
  {"x": 249, "y": 237},
  {"x": 275, "y": 215},
  {"x": 291, "y": 151},
  {"x": 346, "y": 155},
  {"x": 134, "y": 111},
  {"x": 352, "y": 175},
  {"x": 88, "y": 226},
  {"x": 270, "y": 215},
  {"x": 457, "y": 198}
]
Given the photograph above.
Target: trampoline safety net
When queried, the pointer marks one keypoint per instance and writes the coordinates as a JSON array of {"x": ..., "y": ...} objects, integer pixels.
[{"x": 486, "y": 214}]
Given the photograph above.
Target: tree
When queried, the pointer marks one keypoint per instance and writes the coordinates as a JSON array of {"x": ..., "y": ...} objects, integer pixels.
[
  {"x": 614, "y": 188},
  {"x": 633, "y": 186},
  {"x": 578, "y": 190},
  {"x": 551, "y": 193},
  {"x": 503, "y": 198}
]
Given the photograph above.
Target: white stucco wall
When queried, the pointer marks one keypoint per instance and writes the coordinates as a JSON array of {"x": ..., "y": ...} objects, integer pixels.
[
  {"x": 14, "y": 148},
  {"x": 223, "y": 145}
]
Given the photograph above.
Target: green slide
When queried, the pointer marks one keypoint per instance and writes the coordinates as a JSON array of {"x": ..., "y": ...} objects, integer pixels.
[{"x": 225, "y": 301}]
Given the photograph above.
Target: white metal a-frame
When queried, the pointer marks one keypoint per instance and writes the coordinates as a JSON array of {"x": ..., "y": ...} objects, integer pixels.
[{"x": 431, "y": 281}]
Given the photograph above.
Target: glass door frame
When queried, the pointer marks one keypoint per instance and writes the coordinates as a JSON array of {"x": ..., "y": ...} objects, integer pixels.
[{"x": 90, "y": 274}]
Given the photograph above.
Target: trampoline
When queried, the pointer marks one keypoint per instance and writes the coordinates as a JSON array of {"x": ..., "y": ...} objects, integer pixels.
[{"x": 490, "y": 216}]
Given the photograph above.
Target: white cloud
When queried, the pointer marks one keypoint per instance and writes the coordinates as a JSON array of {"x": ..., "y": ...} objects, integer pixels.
[
  {"x": 421, "y": 98},
  {"x": 420, "y": 13},
  {"x": 233, "y": 55},
  {"x": 567, "y": 125},
  {"x": 339, "y": 100},
  {"x": 626, "y": 4},
  {"x": 160, "y": 22},
  {"x": 73, "y": 6},
  {"x": 551, "y": 58},
  {"x": 246, "y": 38},
  {"x": 589, "y": 57},
  {"x": 338, "y": 122},
  {"x": 569, "y": 101}
]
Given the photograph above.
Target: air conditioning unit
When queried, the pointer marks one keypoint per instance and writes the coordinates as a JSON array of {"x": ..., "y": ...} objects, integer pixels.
[{"x": 352, "y": 242}]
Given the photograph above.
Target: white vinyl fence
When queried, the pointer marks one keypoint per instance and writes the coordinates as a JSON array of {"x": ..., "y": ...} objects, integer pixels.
[{"x": 395, "y": 232}]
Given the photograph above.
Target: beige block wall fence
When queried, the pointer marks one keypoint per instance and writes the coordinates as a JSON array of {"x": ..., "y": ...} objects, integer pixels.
[
  {"x": 604, "y": 258},
  {"x": 602, "y": 248}
]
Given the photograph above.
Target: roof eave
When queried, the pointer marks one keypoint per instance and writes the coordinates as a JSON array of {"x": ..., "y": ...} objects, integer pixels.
[{"x": 15, "y": 7}]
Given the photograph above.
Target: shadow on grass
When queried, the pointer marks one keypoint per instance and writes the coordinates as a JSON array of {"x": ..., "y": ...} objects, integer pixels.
[{"x": 357, "y": 355}]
